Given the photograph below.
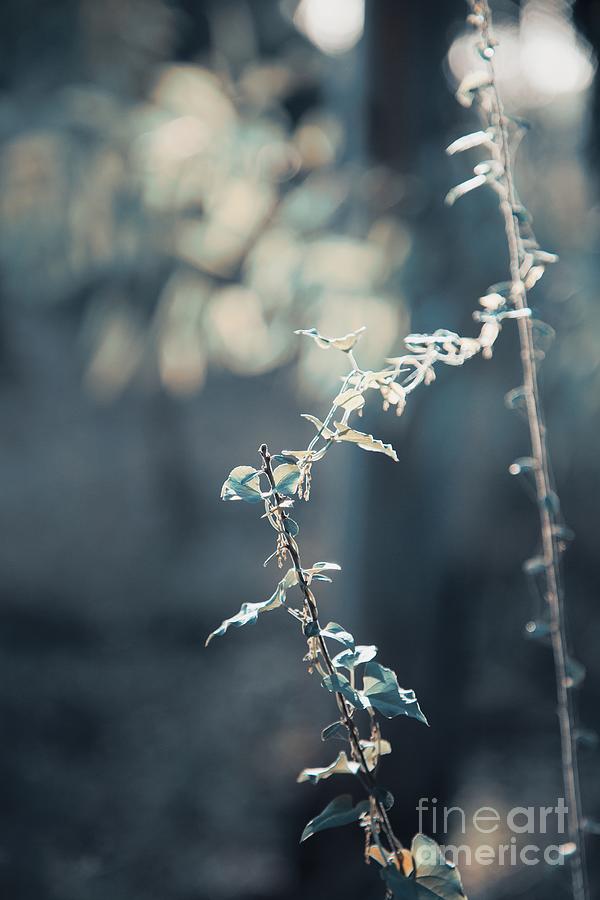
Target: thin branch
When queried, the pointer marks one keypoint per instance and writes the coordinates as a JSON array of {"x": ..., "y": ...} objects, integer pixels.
[
  {"x": 367, "y": 777},
  {"x": 545, "y": 494}
]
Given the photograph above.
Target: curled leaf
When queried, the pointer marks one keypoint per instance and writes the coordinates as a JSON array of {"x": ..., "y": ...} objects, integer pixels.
[
  {"x": 346, "y": 342},
  {"x": 349, "y": 659},
  {"x": 336, "y": 633},
  {"x": 372, "y": 750},
  {"x": 465, "y": 187},
  {"x": 471, "y": 84},
  {"x": 364, "y": 441},
  {"x": 468, "y": 141},
  {"x": 336, "y": 731},
  {"x": 341, "y": 766},
  {"x": 249, "y": 612},
  {"x": 320, "y": 426}
]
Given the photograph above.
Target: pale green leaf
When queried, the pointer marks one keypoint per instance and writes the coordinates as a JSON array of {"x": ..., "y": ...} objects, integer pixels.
[
  {"x": 286, "y": 479},
  {"x": 249, "y": 612},
  {"x": 242, "y": 484},
  {"x": 338, "y": 633},
  {"x": 339, "y": 812},
  {"x": 349, "y": 659},
  {"x": 432, "y": 877},
  {"x": 339, "y": 684},
  {"x": 382, "y": 691}
]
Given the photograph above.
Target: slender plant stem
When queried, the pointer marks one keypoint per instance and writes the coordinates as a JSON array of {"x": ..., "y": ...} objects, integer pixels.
[
  {"x": 367, "y": 777},
  {"x": 546, "y": 496}
]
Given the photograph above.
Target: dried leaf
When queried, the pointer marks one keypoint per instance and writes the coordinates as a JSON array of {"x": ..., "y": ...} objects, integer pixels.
[
  {"x": 346, "y": 342},
  {"x": 364, "y": 441},
  {"x": 341, "y": 766}
]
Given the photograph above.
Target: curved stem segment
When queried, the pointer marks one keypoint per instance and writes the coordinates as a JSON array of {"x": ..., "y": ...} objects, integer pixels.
[
  {"x": 366, "y": 776},
  {"x": 547, "y": 500}
]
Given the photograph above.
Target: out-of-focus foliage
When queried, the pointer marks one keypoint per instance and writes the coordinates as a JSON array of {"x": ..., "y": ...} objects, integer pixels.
[{"x": 198, "y": 221}]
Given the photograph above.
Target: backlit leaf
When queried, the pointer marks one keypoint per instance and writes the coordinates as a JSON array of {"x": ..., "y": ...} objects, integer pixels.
[
  {"x": 249, "y": 612},
  {"x": 348, "y": 659},
  {"x": 341, "y": 766},
  {"x": 432, "y": 876},
  {"x": 286, "y": 479},
  {"x": 364, "y": 441},
  {"x": 242, "y": 484},
  {"x": 381, "y": 689},
  {"x": 338, "y": 633},
  {"x": 339, "y": 684}
]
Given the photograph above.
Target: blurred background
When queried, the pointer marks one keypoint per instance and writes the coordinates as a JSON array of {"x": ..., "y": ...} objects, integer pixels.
[{"x": 183, "y": 183}]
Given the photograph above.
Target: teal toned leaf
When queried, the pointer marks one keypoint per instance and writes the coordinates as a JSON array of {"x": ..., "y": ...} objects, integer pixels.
[
  {"x": 435, "y": 876},
  {"x": 345, "y": 343},
  {"x": 286, "y": 479},
  {"x": 432, "y": 876},
  {"x": 381, "y": 689},
  {"x": 339, "y": 812},
  {"x": 348, "y": 659},
  {"x": 315, "y": 572},
  {"x": 242, "y": 484},
  {"x": 337, "y": 633},
  {"x": 250, "y": 612},
  {"x": 292, "y": 526},
  {"x": 339, "y": 684},
  {"x": 336, "y": 731},
  {"x": 341, "y": 766},
  {"x": 311, "y": 629},
  {"x": 364, "y": 441}
]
